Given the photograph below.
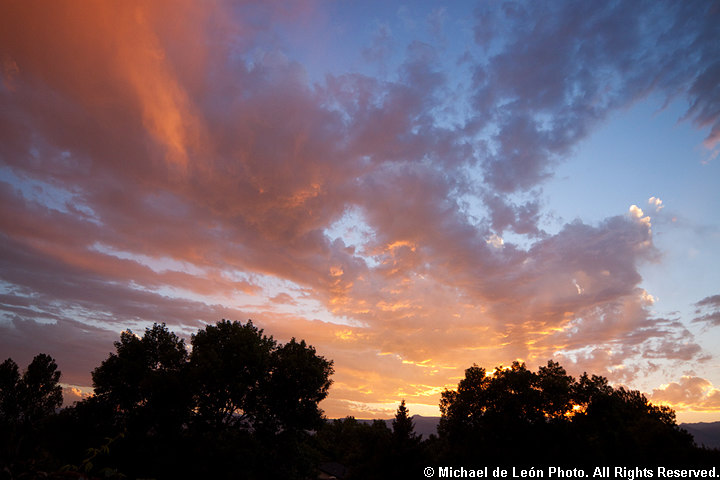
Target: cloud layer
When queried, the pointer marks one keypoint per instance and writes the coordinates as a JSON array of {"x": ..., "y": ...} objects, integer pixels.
[{"x": 176, "y": 163}]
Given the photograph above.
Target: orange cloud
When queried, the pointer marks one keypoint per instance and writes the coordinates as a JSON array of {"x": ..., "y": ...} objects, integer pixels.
[
  {"x": 72, "y": 394},
  {"x": 109, "y": 55},
  {"x": 689, "y": 393},
  {"x": 173, "y": 161}
]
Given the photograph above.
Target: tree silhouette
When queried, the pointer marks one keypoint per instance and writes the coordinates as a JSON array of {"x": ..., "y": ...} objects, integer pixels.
[
  {"x": 244, "y": 378},
  {"x": 26, "y": 402},
  {"x": 462, "y": 410},
  {"x": 556, "y": 388},
  {"x": 143, "y": 380},
  {"x": 586, "y": 420},
  {"x": 621, "y": 424},
  {"x": 237, "y": 399},
  {"x": 9, "y": 392},
  {"x": 254, "y": 399},
  {"x": 40, "y": 393},
  {"x": 241, "y": 406},
  {"x": 29, "y": 398},
  {"x": 402, "y": 425},
  {"x": 229, "y": 365},
  {"x": 364, "y": 448},
  {"x": 298, "y": 380}
]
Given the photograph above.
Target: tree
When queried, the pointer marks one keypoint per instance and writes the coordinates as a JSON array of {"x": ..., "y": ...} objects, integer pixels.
[
  {"x": 253, "y": 399},
  {"x": 402, "y": 425},
  {"x": 229, "y": 362},
  {"x": 462, "y": 410},
  {"x": 556, "y": 388},
  {"x": 490, "y": 412},
  {"x": 238, "y": 405},
  {"x": 589, "y": 389},
  {"x": 40, "y": 393},
  {"x": 244, "y": 378},
  {"x": 27, "y": 402},
  {"x": 622, "y": 425},
  {"x": 143, "y": 379},
  {"x": 36, "y": 394},
  {"x": 9, "y": 394},
  {"x": 406, "y": 451},
  {"x": 586, "y": 420},
  {"x": 365, "y": 449},
  {"x": 297, "y": 382},
  {"x": 513, "y": 394}
]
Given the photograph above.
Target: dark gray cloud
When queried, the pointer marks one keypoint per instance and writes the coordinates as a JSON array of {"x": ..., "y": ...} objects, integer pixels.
[{"x": 557, "y": 70}]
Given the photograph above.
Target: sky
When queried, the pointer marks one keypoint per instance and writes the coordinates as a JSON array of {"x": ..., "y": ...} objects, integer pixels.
[{"x": 410, "y": 187}]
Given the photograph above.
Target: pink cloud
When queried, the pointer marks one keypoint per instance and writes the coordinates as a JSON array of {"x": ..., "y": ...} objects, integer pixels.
[
  {"x": 156, "y": 165},
  {"x": 689, "y": 393},
  {"x": 73, "y": 394}
]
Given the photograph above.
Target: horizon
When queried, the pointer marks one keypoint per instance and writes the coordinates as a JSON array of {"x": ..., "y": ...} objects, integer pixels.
[{"x": 411, "y": 188}]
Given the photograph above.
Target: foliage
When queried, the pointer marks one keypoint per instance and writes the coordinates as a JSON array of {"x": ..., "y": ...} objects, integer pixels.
[
  {"x": 238, "y": 388},
  {"x": 244, "y": 378},
  {"x": 364, "y": 448},
  {"x": 297, "y": 382},
  {"x": 27, "y": 401},
  {"x": 371, "y": 450},
  {"x": 228, "y": 363},
  {"x": 33, "y": 396},
  {"x": 402, "y": 425},
  {"x": 9, "y": 391},
  {"x": 587, "y": 421},
  {"x": 89, "y": 464},
  {"x": 242, "y": 405},
  {"x": 144, "y": 375}
]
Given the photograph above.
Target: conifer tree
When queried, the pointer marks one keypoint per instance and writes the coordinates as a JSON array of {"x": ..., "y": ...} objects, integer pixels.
[{"x": 403, "y": 427}]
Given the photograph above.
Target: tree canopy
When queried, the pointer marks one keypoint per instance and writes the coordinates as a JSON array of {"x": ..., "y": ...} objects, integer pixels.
[
  {"x": 29, "y": 397},
  {"x": 238, "y": 386},
  {"x": 243, "y": 377},
  {"x": 229, "y": 362},
  {"x": 402, "y": 425},
  {"x": 240, "y": 404},
  {"x": 144, "y": 379},
  {"x": 27, "y": 402},
  {"x": 584, "y": 420}
]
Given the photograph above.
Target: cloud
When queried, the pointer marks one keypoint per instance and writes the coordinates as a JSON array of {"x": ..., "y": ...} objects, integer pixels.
[
  {"x": 708, "y": 310},
  {"x": 554, "y": 72},
  {"x": 179, "y": 165},
  {"x": 75, "y": 346},
  {"x": 689, "y": 393},
  {"x": 656, "y": 202},
  {"x": 73, "y": 394}
]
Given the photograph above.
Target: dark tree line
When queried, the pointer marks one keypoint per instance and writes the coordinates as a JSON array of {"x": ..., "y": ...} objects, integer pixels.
[
  {"x": 239, "y": 404},
  {"x": 553, "y": 417}
]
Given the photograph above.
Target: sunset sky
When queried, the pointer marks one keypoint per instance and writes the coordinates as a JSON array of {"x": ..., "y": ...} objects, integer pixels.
[{"x": 410, "y": 187}]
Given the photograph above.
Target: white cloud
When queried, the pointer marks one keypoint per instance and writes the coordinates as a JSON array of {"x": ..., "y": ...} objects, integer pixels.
[
  {"x": 495, "y": 241},
  {"x": 656, "y": 202}
]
